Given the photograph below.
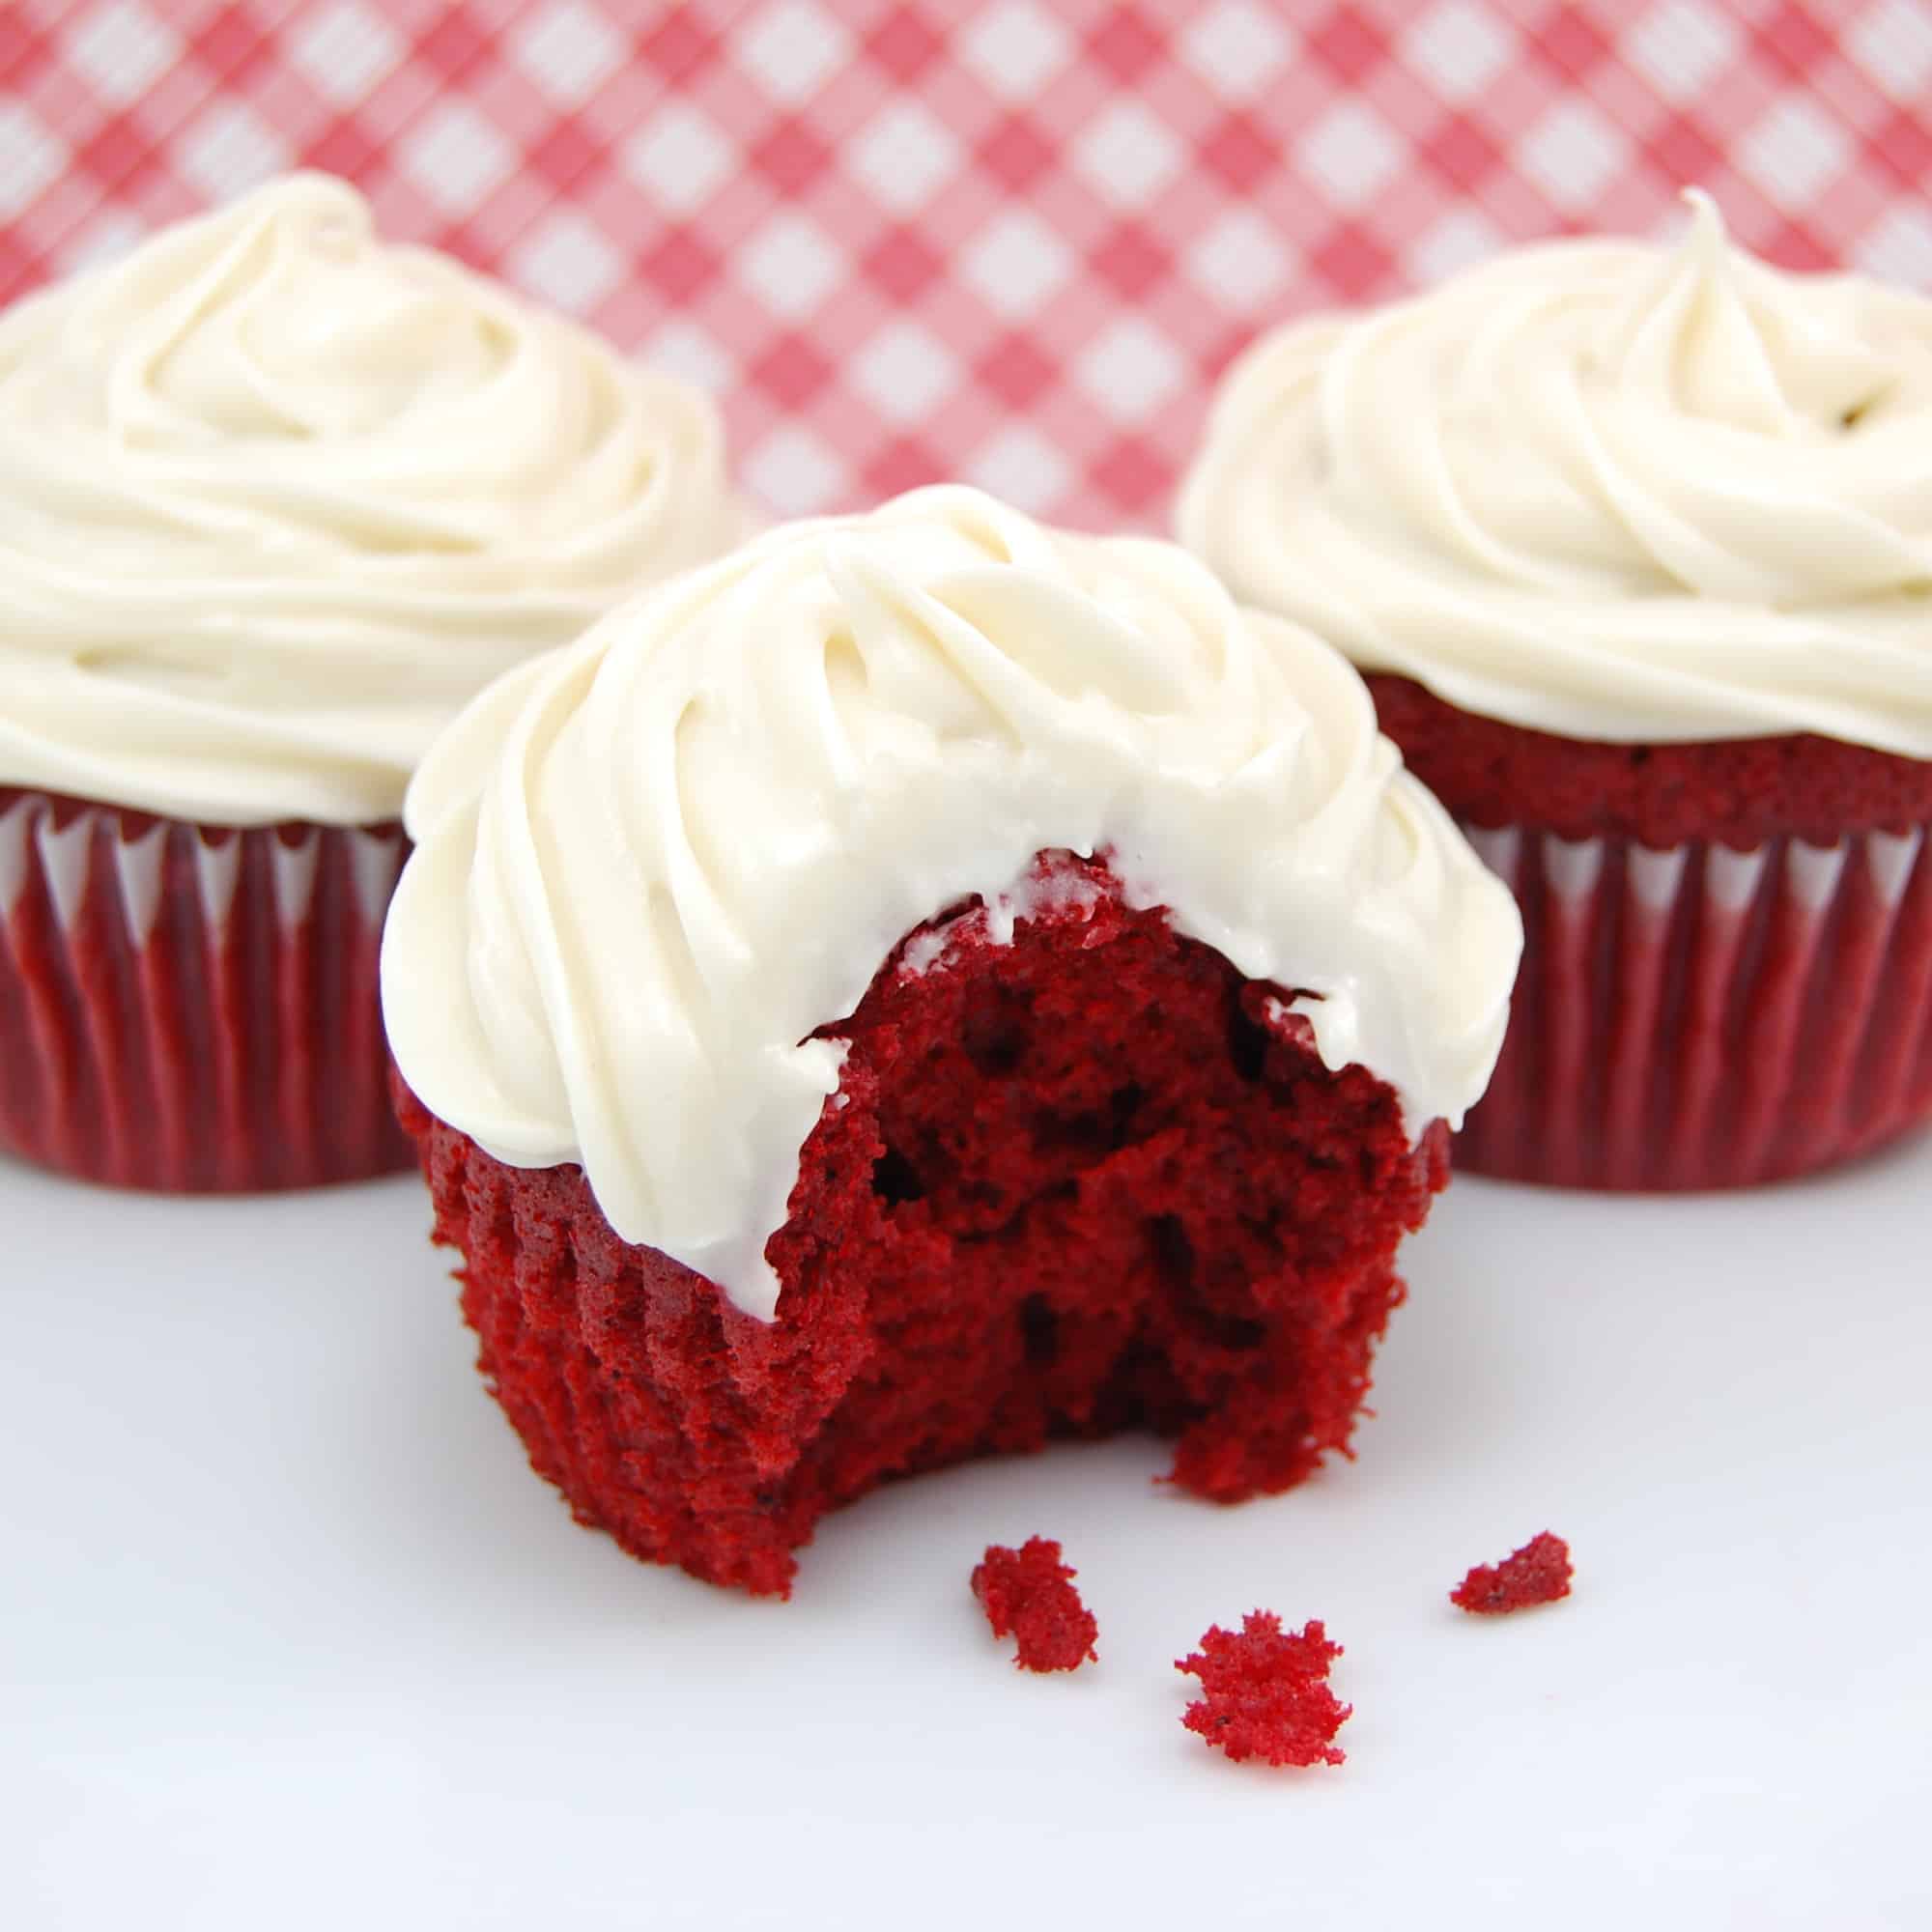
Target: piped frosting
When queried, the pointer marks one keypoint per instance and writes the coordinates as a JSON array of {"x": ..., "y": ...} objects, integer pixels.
[
  {"x": 1603, "y": 488},
  {"x": 276, "y": 499},
  {"x": 650, "y": 866}
]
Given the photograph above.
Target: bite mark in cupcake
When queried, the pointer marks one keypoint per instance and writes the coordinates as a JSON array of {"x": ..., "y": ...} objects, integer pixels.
[{"x": 920, "y": 987}]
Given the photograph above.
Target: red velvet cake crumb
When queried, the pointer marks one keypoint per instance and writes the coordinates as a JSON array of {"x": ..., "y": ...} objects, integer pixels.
[
  {"x": 1268, "y": 1691},
  {"x": 1028, "y": 1593},
  {"x": 1539, "y": 1573}
]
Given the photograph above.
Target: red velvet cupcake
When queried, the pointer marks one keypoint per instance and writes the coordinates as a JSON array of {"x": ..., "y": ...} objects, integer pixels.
[
  {"x": 276, "y": 500},
  {"x": 1634, "y": 546},
  {"x": 919, "y": 987}
]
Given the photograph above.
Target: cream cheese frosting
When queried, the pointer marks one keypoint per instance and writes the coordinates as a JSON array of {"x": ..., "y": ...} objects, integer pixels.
[
  {"x": 649, "y": 865},
  {"x": 276, "y": 499},
  {"x": 1603, "y": 488}
]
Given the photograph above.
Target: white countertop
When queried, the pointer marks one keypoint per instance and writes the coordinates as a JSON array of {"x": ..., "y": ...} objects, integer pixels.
[{"x": 289, "y": 1637}]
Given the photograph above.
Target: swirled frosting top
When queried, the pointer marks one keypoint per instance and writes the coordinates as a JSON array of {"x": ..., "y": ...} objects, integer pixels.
[
  {"x": 276, "y": 500},
  {"x": 649, "y": 865},
  {"x": 1601, "y": 489}
]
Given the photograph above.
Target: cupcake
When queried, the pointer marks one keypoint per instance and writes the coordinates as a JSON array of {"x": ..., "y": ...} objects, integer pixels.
[
  {"x": 276, "y": 502},
  {"x": 919, "y": 987},
  {"x": 1636, "y": 545}
]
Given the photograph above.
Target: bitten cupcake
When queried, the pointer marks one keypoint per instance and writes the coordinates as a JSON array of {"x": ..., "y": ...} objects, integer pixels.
[
  {"x": 917, "y": 987},
  {"x": 1637, "y": 546},
  {"x": 275, "y": 501}
]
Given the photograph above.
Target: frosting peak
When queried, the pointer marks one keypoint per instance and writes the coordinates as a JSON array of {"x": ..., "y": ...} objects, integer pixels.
[
  {"x": 651, "y": 865},
  {"x": 1716, "y": 331},
  {"x": 275, "y": 499},
  {"x": 1603, "y": 488}
]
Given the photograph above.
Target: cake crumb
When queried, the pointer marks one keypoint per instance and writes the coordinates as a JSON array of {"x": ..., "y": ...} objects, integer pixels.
[
  {"x": 1028, "y": 1593},
  {"x": 1268, "y": 1691},
  {"x": 1539, "y": 1573}
]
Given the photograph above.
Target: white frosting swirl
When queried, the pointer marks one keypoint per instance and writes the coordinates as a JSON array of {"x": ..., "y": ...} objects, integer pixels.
[
  {"x": 649, "y": 865},
  {"x": 276, "y": 500},
  {"x": 1601, "y": 489}
]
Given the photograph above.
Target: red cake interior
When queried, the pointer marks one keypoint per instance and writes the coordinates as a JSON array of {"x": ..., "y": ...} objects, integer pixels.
[
  {"x": 1539, "y": 1573},
  {"x": 1736, "y": 793},
  {"x": 1072, "y": 1184},
  {"x": 1264, "y": 1692},
  {"x": 1028, "y": 1594}
]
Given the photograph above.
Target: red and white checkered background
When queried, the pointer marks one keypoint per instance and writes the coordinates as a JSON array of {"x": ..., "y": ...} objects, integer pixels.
[{"x": 1014, "y": 242}]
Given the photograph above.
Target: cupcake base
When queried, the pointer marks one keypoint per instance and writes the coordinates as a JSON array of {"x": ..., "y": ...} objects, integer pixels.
[
  {"x": 1727, "y": 958},
  {"x": 193, "y": 1009},
  {"x": 1084, "y": 1181},
  {"x": 1698, "y": 1017}
]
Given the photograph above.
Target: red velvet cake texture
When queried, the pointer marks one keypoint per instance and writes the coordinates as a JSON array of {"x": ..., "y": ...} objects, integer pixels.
[
  {"x": 1266, "y": 1692},
  {"x": 1736, "y": 792},
  {"x": 1727, "y": 948},
  {"x": 1082, "y": 1183},
  {"x": 1539, "y": 1573},
  {"x": 1028, "y": 1593}
]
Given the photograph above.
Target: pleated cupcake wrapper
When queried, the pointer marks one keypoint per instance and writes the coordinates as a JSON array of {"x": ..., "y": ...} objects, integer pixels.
[
  {"x": 1704, "y": 1017},
  {"x": 193, "y": 1008}
]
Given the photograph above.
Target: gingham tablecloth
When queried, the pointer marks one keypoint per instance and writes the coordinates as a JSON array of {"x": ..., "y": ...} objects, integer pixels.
[{"x": 1014, "y": 243}]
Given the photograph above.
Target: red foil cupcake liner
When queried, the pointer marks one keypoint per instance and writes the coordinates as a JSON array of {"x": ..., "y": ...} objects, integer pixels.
[
  {"x": 193, "y": 1009},
  {"x": 1700, "y": 1017}
]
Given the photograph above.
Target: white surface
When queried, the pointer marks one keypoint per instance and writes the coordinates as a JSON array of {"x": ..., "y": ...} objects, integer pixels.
[{"x": 290, "y": 1638}]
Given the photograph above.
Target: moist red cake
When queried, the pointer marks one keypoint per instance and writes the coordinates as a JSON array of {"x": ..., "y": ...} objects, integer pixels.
[
  {"x": 192, "y": 1008},
  {"x": 1728, "y": 791},
  {"x": 1028, "y": 1594},
  {"x": 1728, "y": 962},
  {"x": 1539, "y": 1573},
  {"x": 1085, "y": 1181},
  {"x": 1266, "y": 1692}
]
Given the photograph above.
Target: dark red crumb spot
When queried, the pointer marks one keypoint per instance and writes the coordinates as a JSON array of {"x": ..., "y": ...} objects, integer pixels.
[
  {"x": 1539, "y": 1573},
  {"x": 1268, "y": 1691},
  {"x": 1029, "y": 1593}
]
